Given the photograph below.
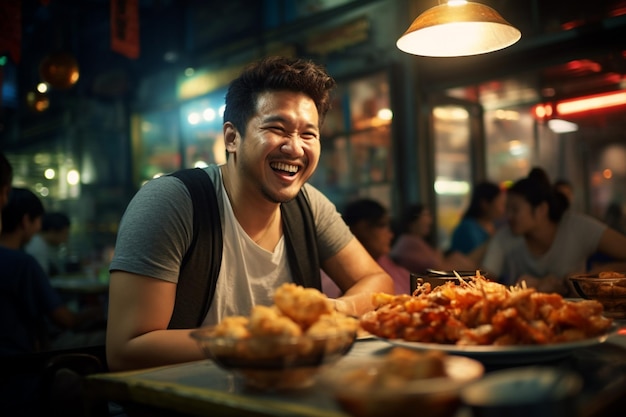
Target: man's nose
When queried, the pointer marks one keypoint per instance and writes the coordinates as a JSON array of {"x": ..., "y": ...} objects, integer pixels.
[{"x": 293, "y": 145}]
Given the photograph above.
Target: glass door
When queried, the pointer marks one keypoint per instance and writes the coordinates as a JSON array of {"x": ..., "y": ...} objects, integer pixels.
[{"x": 458, "y": 161}]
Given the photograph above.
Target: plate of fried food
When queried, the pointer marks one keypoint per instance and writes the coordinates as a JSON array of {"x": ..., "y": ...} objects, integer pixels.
[
  {"x": 488, "y": 321},
  {"x": 282, "y": 346}
]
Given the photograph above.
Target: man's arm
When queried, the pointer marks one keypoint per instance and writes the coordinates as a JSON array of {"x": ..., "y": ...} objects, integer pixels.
[
  {"x": 140, "y": 309},
  {"x": 359, "y": 276}
]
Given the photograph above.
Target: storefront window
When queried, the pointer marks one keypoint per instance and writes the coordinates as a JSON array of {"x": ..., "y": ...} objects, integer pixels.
[
  {"x": 510, "y": 145},
  {"x": 453, "y": 177},
  {"x": 156, "y": 144},
  {"x": 201, "y": 122},
  {"x": 356, "y": 158},
  {"x": 565, "y": 119}
]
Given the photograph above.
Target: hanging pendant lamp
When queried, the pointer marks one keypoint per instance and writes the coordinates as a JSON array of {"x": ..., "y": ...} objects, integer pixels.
[{"x": 458, "y": 28}]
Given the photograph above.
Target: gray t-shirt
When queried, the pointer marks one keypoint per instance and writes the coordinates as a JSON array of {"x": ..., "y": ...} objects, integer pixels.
[
  {"x": 156, "y": 228},
  {"x": 577, "y": 237}
]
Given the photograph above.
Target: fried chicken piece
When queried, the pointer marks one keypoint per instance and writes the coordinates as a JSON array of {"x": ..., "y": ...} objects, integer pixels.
[
  {"x": 234, "y": 326},
  {"x": 302, "y": 305},
  {"x": 268, "y": 321}
]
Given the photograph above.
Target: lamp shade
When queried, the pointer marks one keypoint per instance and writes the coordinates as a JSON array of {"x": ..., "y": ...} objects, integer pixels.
[
  {"x": 60, "y": 70},
  {"x": 463, "y": 29}
]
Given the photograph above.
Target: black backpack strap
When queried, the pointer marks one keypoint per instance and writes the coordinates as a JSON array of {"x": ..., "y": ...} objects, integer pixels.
[
  {"x": 201, "y": 265},
  {"x": 301, "y": 241}
]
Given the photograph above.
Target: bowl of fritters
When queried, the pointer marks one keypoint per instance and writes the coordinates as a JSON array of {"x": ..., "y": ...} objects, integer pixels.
[
  {"x": 282, "y": 346},
  {"x": 401, "y": 382},
  {"x": 608, "y": 288}
]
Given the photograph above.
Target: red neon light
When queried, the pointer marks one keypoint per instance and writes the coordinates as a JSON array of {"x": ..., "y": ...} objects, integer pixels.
[
  {"x": 542, "y": 111},
  {"x": 594, "y": 102}
]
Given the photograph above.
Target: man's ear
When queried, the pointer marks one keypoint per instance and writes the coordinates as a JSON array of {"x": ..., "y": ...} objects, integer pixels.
[{"x": 231, "y": 137}]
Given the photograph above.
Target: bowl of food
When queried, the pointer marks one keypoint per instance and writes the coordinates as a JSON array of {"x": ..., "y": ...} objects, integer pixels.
[
  {"x": 274, "y": 362},
  {"x": 282, "y": 346},
  {"x": 608, "y": 288},
  {"x": 402, "y": 381}
]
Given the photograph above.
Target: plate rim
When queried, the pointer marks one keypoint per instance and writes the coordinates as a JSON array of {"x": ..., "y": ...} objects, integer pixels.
[{"x": 508, "y": 350}]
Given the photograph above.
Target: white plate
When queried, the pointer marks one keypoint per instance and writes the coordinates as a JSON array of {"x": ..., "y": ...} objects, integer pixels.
[{"x": 515, "y": 354}]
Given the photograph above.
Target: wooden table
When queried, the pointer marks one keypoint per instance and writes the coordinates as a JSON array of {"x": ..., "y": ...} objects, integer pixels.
[{"x": 201, "y": 388}]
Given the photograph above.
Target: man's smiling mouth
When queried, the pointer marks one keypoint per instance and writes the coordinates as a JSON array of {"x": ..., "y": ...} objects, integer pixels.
[{"x": 286, "y": 168}]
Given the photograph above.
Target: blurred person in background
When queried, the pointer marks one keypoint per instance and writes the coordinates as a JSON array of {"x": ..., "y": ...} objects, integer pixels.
[
  {"x": 543, "y": 242},
  {"x": 45, "y": 246},
  {"x": 370, "y": 223},
  {"x": 6, "y": 178},
  {"x": 271, "y": 226},
  {"x": 479, "y": 222},
  {"x": 566, "y": 188},
  {"x": 413, "y": 251},
  {"x": 27, "y": 299},
  {"x": 613, "y": 218}
]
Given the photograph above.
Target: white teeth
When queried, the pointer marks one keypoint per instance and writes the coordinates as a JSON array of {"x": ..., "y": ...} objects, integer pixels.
[{"x": 285, "y": 167}]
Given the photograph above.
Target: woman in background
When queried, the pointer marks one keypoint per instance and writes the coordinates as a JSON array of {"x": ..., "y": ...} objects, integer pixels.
[
  {"x": 369, "y": 222},
  {"x": 544, "y": 242},
  {"x": 478, "y": 223},
  {"x": 412, "y": 250}
]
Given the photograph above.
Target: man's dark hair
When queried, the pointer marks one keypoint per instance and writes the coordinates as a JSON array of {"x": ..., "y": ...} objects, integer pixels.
[
  {"x": 21, "y": 202},
  {"x": 276, "y": 74},
  {"x": 55, "y": 220}
]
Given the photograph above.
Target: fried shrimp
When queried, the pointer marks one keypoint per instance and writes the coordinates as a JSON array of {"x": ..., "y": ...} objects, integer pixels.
[{"x": 479, "y": 312}]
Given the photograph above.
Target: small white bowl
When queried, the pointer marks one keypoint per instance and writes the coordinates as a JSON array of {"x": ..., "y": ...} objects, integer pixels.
[{"x": 528, "y": 391}]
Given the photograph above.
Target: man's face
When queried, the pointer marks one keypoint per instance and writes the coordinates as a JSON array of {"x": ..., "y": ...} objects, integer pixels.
[{"x": 282, "y": 145}]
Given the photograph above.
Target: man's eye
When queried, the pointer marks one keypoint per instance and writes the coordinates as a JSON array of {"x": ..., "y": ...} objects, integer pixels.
[
  {"x": 309, "y": 135},
  {"x": 275, "y": 129}
]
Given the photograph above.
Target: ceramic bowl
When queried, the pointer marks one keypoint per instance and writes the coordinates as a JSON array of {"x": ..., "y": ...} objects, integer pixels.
[
  {"x": 275, "y": 362},
  {"x": 610, "y": 291}
]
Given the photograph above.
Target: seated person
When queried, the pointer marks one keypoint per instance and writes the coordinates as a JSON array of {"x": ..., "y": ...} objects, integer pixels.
[
  {"x": 45, "y": 245},
  {"x": 27, "y": 299},
  {"x": 544, "y": 242},
  {"x": 265, "y": 225},
  {"x": 370, "y": 223},
  {"x": 412, "y": 251},
  {"x": 6, "y": 177},
  {"x": 479, "y": 221}
]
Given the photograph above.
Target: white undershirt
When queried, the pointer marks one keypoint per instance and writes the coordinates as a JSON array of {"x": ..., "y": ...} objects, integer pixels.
[{"x": 249, "y": 274}]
